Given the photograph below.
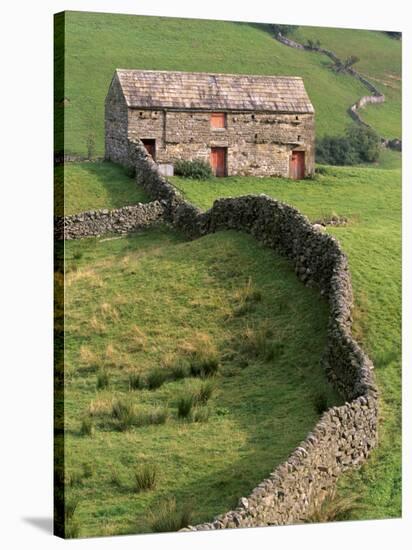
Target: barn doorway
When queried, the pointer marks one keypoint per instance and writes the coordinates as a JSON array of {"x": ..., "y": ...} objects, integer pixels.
[
  {"x": 218, "y": 161},
  {"x": 297, "y": 165},
  {"x": 150, "y": 146}
]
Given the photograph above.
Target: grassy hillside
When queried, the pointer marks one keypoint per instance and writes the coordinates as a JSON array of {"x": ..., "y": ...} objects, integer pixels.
[
  {"x": 152, "y": 301},
  {"x": 93, "y": 185},
  {"x": 371, "y": 200},
  {"x": 96, "y": 44},
  {"x": 380, "y": 60}
]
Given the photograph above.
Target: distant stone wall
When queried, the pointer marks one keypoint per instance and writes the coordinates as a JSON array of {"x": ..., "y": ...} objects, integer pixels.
[
  {"x": 376, "y": 97},
  {"x": 344, "y": 436},
  {"x": 100, "y": 222}
]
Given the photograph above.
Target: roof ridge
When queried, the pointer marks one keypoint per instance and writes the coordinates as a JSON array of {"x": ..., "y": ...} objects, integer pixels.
[{"x": 209, "y": 73}]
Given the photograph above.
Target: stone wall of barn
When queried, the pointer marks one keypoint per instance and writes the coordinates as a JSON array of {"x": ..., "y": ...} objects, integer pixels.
[
  {"x": 116, "y": 120},
  {"x": 258, "y": 144}
]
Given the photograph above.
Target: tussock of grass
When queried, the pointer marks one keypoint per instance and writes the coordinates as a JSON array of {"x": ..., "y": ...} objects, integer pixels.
[
  {"x": 74, "y": 478},
  {"x": 145, "y": 477},
  {"x": 100, "y": 407},
  {"x": 112, "y": 357},
  {"x": 114, "y": 476},
  {"x": 258, "y": 343},
  {"x": 320, "y": 402},
  {"x": 87, "y": 356},
  {"x": 168, "y": 517},
  {"x": 157, "y": 416},
  {"x": 138, "y": 339},
  {"x": 179, "y": 370},
  {"x": 103, "y": 380},
  {"x": 87, "y": 470},
  {"x": 136, "y": 381},
  {"x": 97, "y": 325},
  {"x": 156, "y": 378},
  {"x": 123, "y": 413},
  {"x": 245, "y": 298},
  {"x": 72, "y": 529},
  {"x": 184, "y": 405},
  {"x": 201, "y": 414},
  {"x": 204, "y": 393},
  {"x": 336, "y": 508},
  {"x": 86, "y": 427}
]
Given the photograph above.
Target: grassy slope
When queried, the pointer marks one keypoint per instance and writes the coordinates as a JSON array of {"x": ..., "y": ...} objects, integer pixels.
[
  {"x": 371, "y": 198},
  {"x": 98, "y": 43},
  {"x": 157, "y": 289},
  {"x": 94, "y": 185},
  {"x": 380, "y": 61}
]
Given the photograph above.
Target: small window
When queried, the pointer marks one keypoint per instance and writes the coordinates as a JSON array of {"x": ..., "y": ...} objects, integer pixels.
[{"x": 218, "y": 120}]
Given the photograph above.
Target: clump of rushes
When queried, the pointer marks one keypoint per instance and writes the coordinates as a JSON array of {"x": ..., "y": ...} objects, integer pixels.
[
  {"x": 74, "y": 477},
  {"x": 246, "y": 296},
  {"x": 179, "y": 370},
  {"x": 71, "y": 529},
  {"x": 185, "y": 405},
  {"x": 259, "y": 344},
  {"x": 158, "y": 416},
  {"x": 156, "y": 378},
  {"x": 102, "y": 380},
  {"x": 334, "y": 508},
  {"x": 204, "y": 393},
  {"x": 87, "y": 470},
  {"x": 201, "y": 414},
  {"x": 135, "y": 381},
  {"x": 204, "y": 364},
  {"x": 86, "y": 427},
  {"x": 70, "y": 504},
  {"x": 320, "y": 402},
  {"x": 145, "y": 477},
  {"x": 123, "y": 413},
  {"x": 114, "y": 476},
  {"x": 168, "y": 518}
]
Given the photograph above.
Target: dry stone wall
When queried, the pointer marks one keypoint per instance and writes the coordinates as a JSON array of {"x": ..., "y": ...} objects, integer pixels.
[
  {"x": 100, "y": 222},
  {"x": 344, "y": 436}
]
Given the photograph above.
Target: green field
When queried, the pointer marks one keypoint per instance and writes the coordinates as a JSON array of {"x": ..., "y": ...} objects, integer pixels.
[
  {"x": 97, "y": 44},
  {"x": 142, "y": 302},
  {"x": 380, "y": 60},
  {"x": 93, "y": 185},
  {"x": 371, "y": 199}
]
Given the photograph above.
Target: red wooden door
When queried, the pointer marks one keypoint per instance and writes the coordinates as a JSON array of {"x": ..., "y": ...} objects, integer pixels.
[
  {"x": 218, "y": 161},
  {"x": 297, "y": 165},
  {"x": 150, "y": 146}
]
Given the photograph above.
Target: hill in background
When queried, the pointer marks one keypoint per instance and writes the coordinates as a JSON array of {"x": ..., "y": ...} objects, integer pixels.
[{"x": 96, "y": 44}]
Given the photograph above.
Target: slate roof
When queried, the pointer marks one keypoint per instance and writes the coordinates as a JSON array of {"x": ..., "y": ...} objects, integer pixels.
[{"x": 213, "y": 91}]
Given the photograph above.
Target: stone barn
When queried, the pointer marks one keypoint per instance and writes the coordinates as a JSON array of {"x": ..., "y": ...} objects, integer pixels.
[{"x": 240, "y": 124}]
